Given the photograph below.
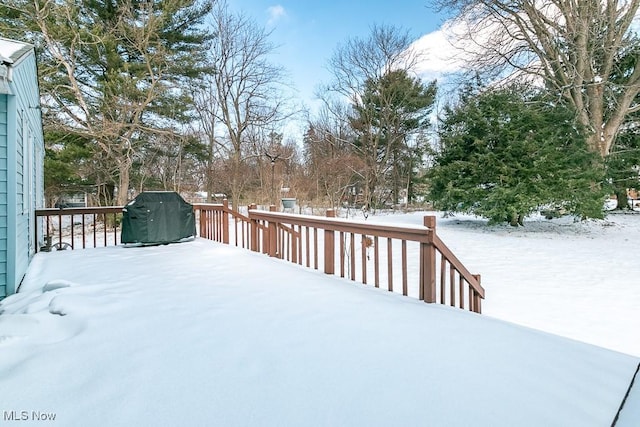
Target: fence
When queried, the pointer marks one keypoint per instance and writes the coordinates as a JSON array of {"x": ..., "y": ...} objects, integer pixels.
[{"x": 411, "y": 260}]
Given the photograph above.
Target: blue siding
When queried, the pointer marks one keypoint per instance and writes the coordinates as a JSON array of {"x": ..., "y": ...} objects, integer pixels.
[
  {"x": 3, "y": 195},
  {"x": 21, "y": 171},
  {"x": 21, "y": 215}
]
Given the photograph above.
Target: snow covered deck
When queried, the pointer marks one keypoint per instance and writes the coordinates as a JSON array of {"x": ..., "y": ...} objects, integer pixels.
[{"x": 201, "y": 333}]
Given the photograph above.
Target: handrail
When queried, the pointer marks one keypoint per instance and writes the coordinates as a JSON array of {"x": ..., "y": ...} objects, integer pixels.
[
  {"x": 446, "y": 252},
  {"x": 78, "y": 211},
  {"x": 414, "y": 233}
]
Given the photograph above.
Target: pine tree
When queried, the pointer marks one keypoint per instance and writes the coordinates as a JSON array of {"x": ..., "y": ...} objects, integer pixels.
[
  {"x": 507, "y": 153},
  {"x": 394, "y": 108},
  {"x": 623, "y": 163},
  {"x": 113, "y": 72}
]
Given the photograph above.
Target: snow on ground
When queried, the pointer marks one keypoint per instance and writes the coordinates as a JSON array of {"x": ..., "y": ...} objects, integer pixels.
[
  {"x": 202, "y": 334},
  {"x": 576, "y": 279}
]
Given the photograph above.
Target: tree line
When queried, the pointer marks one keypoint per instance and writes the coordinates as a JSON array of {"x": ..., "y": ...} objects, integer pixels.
[{"x": 183, "y": 95}]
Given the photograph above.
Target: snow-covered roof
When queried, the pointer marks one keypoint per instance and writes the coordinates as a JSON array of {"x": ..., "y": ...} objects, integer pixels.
[{"x": 11, "y": 51}]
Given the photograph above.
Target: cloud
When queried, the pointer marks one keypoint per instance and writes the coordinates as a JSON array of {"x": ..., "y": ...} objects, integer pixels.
[
  {"x": 276, "y": 13},
  {"x": 449, "y": 49},
  {"x": 438, "y": 56}
]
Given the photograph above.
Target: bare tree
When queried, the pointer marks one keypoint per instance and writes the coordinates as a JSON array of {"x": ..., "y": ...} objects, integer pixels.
[
  {"x": 332, "y": 166},
  {"x": 248, "y": 91},
  {"x": 358, "y": 67},
  {"x": 171, "y": 163},
  {"x": 575, "y": 48},
  {"x": 206, "y": 125}
]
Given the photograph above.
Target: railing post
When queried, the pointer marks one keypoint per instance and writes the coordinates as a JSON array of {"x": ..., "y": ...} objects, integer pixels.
[
  {"x": 477, "y": 304},
  {"x": 35, "y": 235},
  {"x": 428, "y": 263},
  {"x": 202, "y": 223},
  {"x": 294, "y": 245},
  {"x": 329, "y": 246},
  {"x": 254, "y": 229},
  {"x": 273, "y": 235},
  {"x": 225, "y": 221}
]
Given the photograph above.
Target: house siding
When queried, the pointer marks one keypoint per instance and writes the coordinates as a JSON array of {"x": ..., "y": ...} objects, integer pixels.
[
  {"x": 3, "y": 195},
  {"x": 21, "y": 216},
  {"x": 21, "y": 192}
]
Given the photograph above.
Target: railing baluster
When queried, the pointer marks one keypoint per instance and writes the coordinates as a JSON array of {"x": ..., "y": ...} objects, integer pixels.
[
  {"x": 461, "y": 284},
  {"x": 60, "y": 228},
  {"x": 342, "y": 254},
  {"x": 443, "y": 277},
  {"x": 115, "y": 228},
  {"x": 104, "y": 228},
  {"x": 352, "y": 255},
  {"x": 84, "y": 238},
  {"x": 389, "y": 265},
  {"x": 315, "y": 248},
  {"x": 364, "y": 258},
  {"x": 376, "y": 261},
  {"x": 405, "y": 290},
  {"x": 307, "y": 246},
  {"x": 452, "y": 285},
  {"x": 72, "y": 239}
]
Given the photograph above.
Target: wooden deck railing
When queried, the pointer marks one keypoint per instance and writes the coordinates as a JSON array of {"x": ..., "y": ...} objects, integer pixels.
[
  {"x": 78, "y": 227},
  {"x": 411, "y": 260}
]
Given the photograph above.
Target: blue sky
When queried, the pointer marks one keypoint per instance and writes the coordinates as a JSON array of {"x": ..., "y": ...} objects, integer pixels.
[{"x": 308, "y": 32}]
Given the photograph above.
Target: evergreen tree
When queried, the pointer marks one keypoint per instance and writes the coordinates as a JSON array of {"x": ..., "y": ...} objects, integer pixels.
[
  {"x": 507, "y": 153},
  {"x": 394, "y": 108},
  {"x": 624, "y": 159},
  {"x": 113, "y": 72},
  {"x": 64, "y": 165},
  {"x": 623, "y": 163}
]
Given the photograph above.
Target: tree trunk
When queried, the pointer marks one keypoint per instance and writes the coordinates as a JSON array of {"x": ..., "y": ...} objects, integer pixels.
[
  {"x": 123, "y": 182},
  {"x": 210, "y": 185},
  {"x": 601, "y": 143},
  {"x": 621, "y": 195},
  {"x": 105, "y": 195},
  {"x": 516, "y": 220},
  {"x": 237, "y": 182}
]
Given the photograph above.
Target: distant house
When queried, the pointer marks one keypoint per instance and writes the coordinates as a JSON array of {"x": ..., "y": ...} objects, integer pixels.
[{"x": 21, "y": 161}]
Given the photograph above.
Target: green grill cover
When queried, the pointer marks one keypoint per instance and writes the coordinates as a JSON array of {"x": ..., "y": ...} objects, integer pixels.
[{"x": 156, "y": 217}]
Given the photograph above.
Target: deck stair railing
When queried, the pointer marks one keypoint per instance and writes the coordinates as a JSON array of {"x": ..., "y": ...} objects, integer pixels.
[{"x": 411, "y": 260}]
